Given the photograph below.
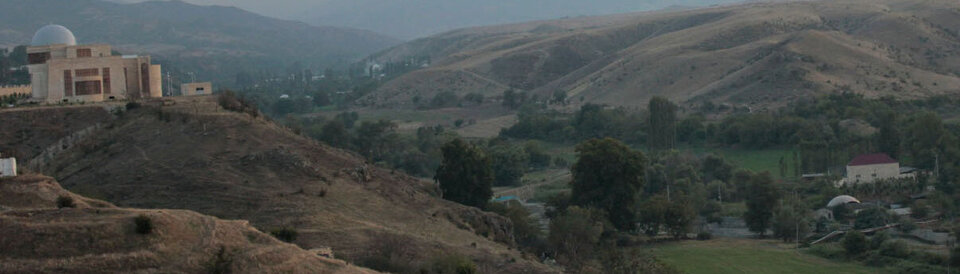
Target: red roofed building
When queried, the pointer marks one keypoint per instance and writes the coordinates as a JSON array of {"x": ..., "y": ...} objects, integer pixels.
[{"x": 868, "y": 168}]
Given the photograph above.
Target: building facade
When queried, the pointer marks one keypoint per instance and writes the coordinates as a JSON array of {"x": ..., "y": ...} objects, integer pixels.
[
  {"x": 62, "y": 71},
  {"x": 191, "y": 89},
  {"x": 8, "y": 167},
  {"x": 869, "y": 168}
]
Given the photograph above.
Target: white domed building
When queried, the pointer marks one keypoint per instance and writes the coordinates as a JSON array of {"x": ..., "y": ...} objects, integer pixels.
[{"x": 63, "y": 71}]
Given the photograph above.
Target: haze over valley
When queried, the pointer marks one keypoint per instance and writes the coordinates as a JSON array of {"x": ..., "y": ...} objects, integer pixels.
[{"x": 461, "y": 137}]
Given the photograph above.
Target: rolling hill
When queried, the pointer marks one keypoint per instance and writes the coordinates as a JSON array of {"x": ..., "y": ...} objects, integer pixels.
[
  {"x": 756, "y": 55},
  {"x": 191, "y": 154},
  {"x": 98, "y": 237},
  {"x": 214, "y": 41}
]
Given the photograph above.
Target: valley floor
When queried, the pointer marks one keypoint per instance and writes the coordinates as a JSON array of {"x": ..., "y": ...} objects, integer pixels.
[{"x": 748, "y": 256}]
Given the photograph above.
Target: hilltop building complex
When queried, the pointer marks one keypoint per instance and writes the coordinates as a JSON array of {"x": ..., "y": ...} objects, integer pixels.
[{"x": 62, "y": 71}]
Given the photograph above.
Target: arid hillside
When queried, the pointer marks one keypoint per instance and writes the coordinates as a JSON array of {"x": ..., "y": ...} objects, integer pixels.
[
  {"x": 97, "y": 237},
  {"x": 761, "y": 54},
  {"x": 191, "y": 154}
]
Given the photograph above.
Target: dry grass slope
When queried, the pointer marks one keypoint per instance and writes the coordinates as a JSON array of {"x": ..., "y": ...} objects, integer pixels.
[
  {"x": 97, "y": 237},
  {"x": 195, "y": 156},
  {"x": 761, "y": 55}
]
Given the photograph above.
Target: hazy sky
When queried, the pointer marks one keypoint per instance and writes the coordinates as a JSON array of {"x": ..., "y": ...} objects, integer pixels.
[{"x": 407, "y": 19}]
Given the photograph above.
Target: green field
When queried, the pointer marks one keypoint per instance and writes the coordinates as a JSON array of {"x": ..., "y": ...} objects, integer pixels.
[
  {"x": 748, "y": 256},
  {"x": 757, "y": 160}
]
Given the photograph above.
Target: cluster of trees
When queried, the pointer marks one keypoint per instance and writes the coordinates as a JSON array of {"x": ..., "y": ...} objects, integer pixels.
[
  {"x": 304, "y": 93},
  {"x": 420, "y": 153},
  {"x": 607, "y": 180},
  {"x": 447, "y": 99},
  {"x": 12, "y": 98},
  {"x": 12, "y": 70},
  {"x": 825, "y": 131},
  {"x": 591, "y": 121},
  {"x": 379, "y": 141},
  {"x": 882, "y": 250}
]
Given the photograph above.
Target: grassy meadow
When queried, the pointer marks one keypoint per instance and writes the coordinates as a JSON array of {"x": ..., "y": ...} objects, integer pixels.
[{"x": 721, "y": 256}]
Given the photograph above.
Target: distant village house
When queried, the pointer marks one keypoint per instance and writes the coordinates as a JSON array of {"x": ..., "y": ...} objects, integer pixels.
[
  {"x": 8, "y": 167},
  {"x": 192, "y": 89},
  {"x": 869, "y": 168}
]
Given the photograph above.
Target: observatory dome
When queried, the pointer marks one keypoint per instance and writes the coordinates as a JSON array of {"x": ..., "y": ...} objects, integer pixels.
[
  {"x": 842, "y": 200},
  {"x": 53, "y": 35}
]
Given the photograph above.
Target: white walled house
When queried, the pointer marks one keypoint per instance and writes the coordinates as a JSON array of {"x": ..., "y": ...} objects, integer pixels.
[
  {"x": 8, "y": 167},
  {"x": 193, "y": 89},
  {"x": 869, "y": 168}
]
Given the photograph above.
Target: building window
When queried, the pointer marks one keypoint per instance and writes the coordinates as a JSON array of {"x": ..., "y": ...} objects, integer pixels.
[
  {"x": 88, "y": 88},
  {"x": 87, "y": 72},
  {"x": 38, "y": 58},
  {"x": 106, "y": 80},
  {"x": 67, "y": 83},
  {"x": 145, "y": 79},
  {"x": 84, "y": 53}
]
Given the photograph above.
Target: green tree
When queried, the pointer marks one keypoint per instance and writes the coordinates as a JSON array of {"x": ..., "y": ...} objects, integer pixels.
[
  {"x": 889, "y": 140},
  {"x": 608, "y": 175},
  {"x": 924, "y": 138},
  {"x": 791, "y": 220},
  {"x": 334, "y": 133},
  {"x": 509, "y": 164},
  {"x": 537, "y": 156},
  {"x": 375, "y": 139},
  {"x": 714, "y": 167},
  {"x": 855, "y": 243},
  {"x": 574, "y": 235},
  {"x": 678, "y": 218},
  {"x": 663, "y": 123},
  {"x": 465, "y": 175},
  {"x": 652, "y": 214},
  {"x": 871, "y": 217},
  {"x": 526, "y": 229},
  {"x": 514, "y": 99},
  {"x": 761, "y": 198}
]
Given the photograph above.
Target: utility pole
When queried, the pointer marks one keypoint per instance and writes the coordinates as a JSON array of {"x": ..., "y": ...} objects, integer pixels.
[
  {"x": 796, "y": 217},
  {"x": 936, "y": 164},
  {"x": 720, "y": 194}
]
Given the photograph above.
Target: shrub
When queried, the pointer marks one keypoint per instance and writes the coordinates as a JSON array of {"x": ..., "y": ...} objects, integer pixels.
[
  {"x": 906, "y": 266},
  {"x": 876, "y": 260},
  {"x": 920, "y": 212},
  {"x": 907, "y": 225},
  {"x": 220, "y": 263},
  {"x": 854, "y": 243},
  {"x": 453, "y": 264},
  {"x": 703, "y": 236},
  {"x": 144, "y": 224},
  {"x": 878, "y": 239},
  {"x": 230, "y": 101},
  {"x": 133, "y": 105},
  {"x": 872, "y": 217},
  {"x": 896, "y": 249},
  {"x": 285, "y": 234},
  {"x": 65, "y": 201},
  {"x": 389, "y": 253},
  {"x": 826, "y": 251}
]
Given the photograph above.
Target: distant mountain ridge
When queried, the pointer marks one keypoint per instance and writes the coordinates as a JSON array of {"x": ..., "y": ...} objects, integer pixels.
[
  {"x": 757, "y": 55},
  {"x": 215, "y": 41}
]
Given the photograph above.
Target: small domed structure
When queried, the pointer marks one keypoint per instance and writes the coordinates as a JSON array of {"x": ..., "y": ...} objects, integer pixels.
[
  {"x": 53, "y": 35},
  {"x": 842, "y": 200}
]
